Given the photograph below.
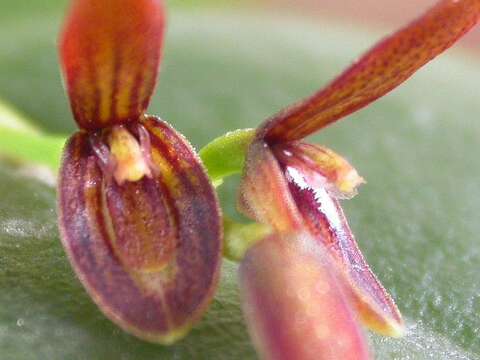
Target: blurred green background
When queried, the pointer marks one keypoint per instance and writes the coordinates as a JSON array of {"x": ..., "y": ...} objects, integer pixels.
[{"x": 229, "y": 65}]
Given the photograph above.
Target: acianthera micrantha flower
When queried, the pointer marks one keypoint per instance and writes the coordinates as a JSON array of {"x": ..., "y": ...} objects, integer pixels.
[
  {"x": 297, "y": 310},
  {"x": 139, "y": 218}
]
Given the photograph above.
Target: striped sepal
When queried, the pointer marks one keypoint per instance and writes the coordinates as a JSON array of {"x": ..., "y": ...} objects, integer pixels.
[
  {"x": 110, "y": 52},
  {"x": 148, "y": 252}
]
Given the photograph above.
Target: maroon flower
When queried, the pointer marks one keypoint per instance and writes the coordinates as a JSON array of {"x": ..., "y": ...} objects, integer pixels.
[
  {"x": 294, "y": 187},
  {"x": 139, "y": 218}
]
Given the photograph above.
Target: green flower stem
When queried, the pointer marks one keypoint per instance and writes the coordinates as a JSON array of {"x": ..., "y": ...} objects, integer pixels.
[
  {"x": 12, "y": 119},
  {"x": 225, "y": 156},
  {"x": 31, "y": 147},
  {"x": 238, "y": 238},
  {"x": 22, "y": 141}
]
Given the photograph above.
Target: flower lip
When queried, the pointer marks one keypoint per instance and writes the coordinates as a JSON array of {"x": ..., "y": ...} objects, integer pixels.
[{"x": 128, "y": 156}]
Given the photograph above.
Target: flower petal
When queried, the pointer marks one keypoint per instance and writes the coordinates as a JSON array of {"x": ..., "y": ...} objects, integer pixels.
[
  {"x": 148, "y": 252},
  {"x": 264, "y": 195},
  {"x": 321, "y": 166},
  {"x": 110, "y": 51},
  {"x": 325, "y": 220},
  {"x": 294, "y": 304},
  {"x": 379, "y": 71}
]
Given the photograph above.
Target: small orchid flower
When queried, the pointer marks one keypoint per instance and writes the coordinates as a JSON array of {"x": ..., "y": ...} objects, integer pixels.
[
  {"x": 139, "y": 218},
  {"x": 295, "y": 187}
]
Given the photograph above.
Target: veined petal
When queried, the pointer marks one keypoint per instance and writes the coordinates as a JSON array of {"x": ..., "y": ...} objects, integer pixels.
[
  {"x": 264, "y": 195},
  {"x": 110, "y": 52},
  {"x": 379, "y": 71},
  {"x": 321, "y": 166},
  {"x": 325, "y": 219},
  {"x": 148, "y": 252},
  {"x": 294, "y": 303}
]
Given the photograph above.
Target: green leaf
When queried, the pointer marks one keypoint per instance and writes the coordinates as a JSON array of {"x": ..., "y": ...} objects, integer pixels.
[
  {"x": 416, "y": 219},
  {"x": 21, "y": 141},
  {"x": 13, "y": 120},
  {"x": 27, "y": 147}
]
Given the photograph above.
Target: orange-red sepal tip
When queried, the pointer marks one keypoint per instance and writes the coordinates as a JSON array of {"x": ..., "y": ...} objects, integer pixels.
[
  {"x": 380, "y": 70},
  {"x": 326, "y": 221},
  {"x": 149, "y": 251},
  {"x": 110, "y": 52},
  {"x": 295, "y": 305}
]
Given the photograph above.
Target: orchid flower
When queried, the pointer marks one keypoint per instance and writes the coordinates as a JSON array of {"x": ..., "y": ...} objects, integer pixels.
[
  {"x": 311, "y": 265},
  {"x": 138, "y": 216}
]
